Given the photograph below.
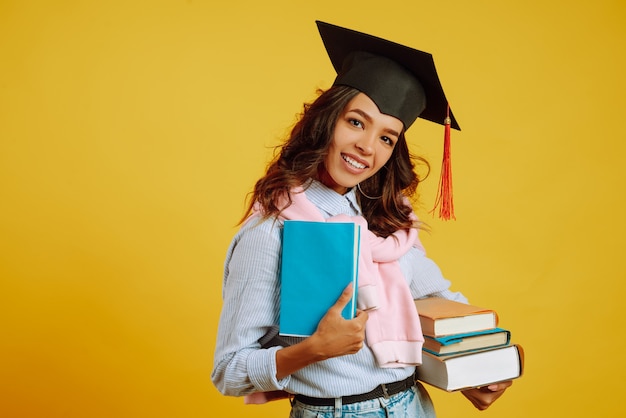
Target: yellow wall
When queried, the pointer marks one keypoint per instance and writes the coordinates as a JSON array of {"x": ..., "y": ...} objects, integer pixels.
[{"x": 131, "y": 130}]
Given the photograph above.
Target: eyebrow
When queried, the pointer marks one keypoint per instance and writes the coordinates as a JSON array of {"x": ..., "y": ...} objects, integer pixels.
[{"x": 368, "y": 118}]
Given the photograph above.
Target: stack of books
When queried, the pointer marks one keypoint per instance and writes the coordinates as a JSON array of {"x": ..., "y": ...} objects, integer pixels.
[{"x": 464, "y": 347}]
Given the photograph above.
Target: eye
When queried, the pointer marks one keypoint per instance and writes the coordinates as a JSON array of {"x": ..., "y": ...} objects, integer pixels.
[
  {"x": 387, "y": 140},
  {"x": 355, "y": 122}
]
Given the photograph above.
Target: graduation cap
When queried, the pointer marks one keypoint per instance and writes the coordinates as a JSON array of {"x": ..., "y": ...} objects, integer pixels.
[{"x": 402, "y": 81}]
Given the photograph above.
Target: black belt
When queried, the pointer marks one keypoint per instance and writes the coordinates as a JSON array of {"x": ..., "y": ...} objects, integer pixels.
[{"x": 381, "y": 391}]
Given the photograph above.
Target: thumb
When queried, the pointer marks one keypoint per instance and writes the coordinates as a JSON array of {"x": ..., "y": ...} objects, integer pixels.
[{"x": 344, "y": 298}]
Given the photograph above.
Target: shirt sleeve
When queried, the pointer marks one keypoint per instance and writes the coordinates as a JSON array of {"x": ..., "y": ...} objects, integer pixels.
[
  {"x": 251, "y": 294},
  {"x": 425, "y": 278}
]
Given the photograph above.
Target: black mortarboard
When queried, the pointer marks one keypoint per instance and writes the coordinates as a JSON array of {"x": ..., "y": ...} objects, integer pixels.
[{"x": 402, "y": 81}]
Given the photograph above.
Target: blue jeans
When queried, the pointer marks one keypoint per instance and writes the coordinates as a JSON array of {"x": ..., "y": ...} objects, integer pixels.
[{"x": 412, "y": 403}]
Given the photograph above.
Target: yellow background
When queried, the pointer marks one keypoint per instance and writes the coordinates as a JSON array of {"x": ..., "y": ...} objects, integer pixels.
[{"x": 131, "y": 131}]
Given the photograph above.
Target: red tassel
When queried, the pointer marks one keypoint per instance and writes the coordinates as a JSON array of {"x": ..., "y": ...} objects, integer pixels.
[{"x": 444, "y": 195}]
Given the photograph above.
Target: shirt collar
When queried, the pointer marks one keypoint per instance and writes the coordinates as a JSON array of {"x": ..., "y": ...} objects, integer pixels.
[{"x": 330, "y": 202}]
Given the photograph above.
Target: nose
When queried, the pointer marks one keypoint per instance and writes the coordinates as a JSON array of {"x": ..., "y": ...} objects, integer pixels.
[{"x": 365, "y": 144}]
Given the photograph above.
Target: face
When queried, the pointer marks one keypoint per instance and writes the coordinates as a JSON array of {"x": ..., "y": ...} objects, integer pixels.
[{"x": 362, "y": 143}]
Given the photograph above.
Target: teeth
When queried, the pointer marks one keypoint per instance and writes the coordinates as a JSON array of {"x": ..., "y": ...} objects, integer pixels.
[{"x": 353, "y": 162}]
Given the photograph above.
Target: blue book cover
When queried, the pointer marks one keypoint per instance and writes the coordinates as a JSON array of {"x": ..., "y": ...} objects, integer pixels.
[
  {"x": 319, "y": 259},
  {"x": 467, "y": 342}
]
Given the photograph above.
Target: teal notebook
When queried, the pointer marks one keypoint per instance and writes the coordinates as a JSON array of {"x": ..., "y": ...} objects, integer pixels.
[{"x": 319, "y": 259}]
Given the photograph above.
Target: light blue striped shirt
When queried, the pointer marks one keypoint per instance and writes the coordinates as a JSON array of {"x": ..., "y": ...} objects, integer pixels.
[{"x": 251, "y": 293}]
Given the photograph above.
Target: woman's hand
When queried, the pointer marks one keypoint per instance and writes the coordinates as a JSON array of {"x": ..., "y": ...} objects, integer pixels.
[
  {"x": 484, "y": 396},
  {"x": 334, "y": 337}
]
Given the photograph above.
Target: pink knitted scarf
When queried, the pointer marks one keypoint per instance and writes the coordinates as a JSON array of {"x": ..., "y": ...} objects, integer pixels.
[{"x": 393, "y": 328}]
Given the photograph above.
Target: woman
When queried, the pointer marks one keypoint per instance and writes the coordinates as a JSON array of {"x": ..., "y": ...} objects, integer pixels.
[{"x": 347, "y": 155}]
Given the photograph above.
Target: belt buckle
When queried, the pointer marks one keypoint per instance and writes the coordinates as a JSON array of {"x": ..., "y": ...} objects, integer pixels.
[{"x": 385, "y": 391}]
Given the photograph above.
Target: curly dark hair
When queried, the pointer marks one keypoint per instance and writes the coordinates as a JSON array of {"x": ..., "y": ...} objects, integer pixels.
[{"x": 302, "y": 155}]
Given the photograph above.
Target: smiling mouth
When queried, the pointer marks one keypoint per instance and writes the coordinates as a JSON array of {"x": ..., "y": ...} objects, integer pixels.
[{"x": 354, "y": 163}]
